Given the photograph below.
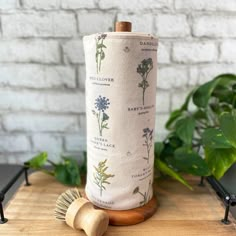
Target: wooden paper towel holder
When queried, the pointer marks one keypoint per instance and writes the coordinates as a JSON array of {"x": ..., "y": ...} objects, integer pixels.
[
  {"x": 140, "y": 214},
  {"x": 132, "y": 216}
]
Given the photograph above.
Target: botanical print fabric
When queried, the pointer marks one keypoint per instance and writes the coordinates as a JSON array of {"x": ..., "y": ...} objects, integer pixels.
[{"x": 121, "y": 70}]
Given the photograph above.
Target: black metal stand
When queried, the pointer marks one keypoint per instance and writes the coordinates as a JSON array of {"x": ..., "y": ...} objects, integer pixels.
[
  {"x": 201, "y": 184},
  {"x": 24, "y": 170},
  {"x": 228, "y": 199}
]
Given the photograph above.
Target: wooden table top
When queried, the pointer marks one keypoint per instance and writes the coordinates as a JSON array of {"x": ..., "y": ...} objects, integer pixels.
[{"x": 181, "y": 212}]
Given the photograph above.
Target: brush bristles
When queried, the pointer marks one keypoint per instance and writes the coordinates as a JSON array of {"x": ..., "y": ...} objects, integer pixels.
[{"x": 64, "y": 201}]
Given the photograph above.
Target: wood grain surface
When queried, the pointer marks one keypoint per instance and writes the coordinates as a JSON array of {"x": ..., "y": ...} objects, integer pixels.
[
  {"x": 181, "y": 212},
  {"x": 133, "y": 216}
]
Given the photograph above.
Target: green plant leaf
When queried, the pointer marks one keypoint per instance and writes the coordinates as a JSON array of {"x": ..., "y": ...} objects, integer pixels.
[
  {"x": 158, "y": 147},
  {"x": 226, "y": 79},
  {"x": 220, "y": 160},
  {"x": 223, "y": 94},
  {"x": 228, "y": 127},
  {"x": 202, "y": 95},
  {"x": 178, "y": 113},
  {"x": 38, "y": 161},
  {"x": 200, "y": 115},
  {"x": 187, "y": 160},
  {"x": 184, "y": 107},
  {"x": 185, "y": 128},
  {"x": 68, "y": 172},
  {"x": 83, "y": 167},
  {"x": 175, "y": 115},
  {"x": 164, "y": 168},
  {"x": 214, "y": 138}
]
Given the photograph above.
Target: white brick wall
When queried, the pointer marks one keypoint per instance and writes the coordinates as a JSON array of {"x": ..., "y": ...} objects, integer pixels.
[
  {"x": 214, "y": 25},
  {"x": 50, "y": 24},
  {"x": 41, "y": 4},
  {"x": 37, "y": 76},
  {"x": 22, "y": 122},
  {"x": 50, "y": 143},
  {"x": 95, "y": 22},
  {"x": 194, "y": 52},
  {"x": 171, "y": 26},
  {"x": 228, "y": 51},
  {"x": 42, "y": 72},
  {"x": 209, "y": 5},
  {"x": 140, "y": 21},
  {"x": 37, "y": 51},
  {"x": 75, "y": 4},
  {"x": 172, "y": 77},
  {"x": 14, "y": 143},
  {"x": 135, "y": 4},
  {"x": 73, "y": 51},
  {"x": 8, "y": 4},
  {"x": 75, "y": 142}
]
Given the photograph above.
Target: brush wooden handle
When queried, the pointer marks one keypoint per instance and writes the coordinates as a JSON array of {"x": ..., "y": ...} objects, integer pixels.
[{"x": 82, "y": 215}]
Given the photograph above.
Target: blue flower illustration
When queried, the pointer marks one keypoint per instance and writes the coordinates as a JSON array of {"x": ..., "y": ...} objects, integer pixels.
[{"x": 101, "y": 104}]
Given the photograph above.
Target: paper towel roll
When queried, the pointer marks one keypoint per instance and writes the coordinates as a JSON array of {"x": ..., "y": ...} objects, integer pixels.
[{"x": 121, "y": 70}]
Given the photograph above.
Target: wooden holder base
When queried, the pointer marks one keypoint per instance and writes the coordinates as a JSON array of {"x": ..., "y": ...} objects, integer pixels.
[{"x": 133, "y": 216}]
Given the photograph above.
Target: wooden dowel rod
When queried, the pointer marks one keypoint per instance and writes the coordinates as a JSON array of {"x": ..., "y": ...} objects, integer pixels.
[{"x": 123, "y": 26}]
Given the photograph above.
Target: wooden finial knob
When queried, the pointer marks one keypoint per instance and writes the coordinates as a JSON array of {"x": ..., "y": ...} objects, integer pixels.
[{"x": 123, "y": 26}]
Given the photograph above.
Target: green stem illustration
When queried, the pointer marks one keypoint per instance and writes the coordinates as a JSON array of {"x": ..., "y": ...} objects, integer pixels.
[
  {"x": 99, "y": 126},
  {"x": 145, "y": 195},
  {"x": 101, "y": 177},
  {"x": 100, "y": 54},
  {"x": 143, "y": 94}
]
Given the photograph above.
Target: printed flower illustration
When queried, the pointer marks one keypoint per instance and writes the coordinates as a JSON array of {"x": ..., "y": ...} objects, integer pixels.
[
  {"x": 143, "y": 69},
  {"x": 100, "y": 54},
  {"x": 100, "y": 176},
  {"x": 101, "y": 105},
  {"x": 145, "y": 195},
  {"x": 148, "y": 135}
]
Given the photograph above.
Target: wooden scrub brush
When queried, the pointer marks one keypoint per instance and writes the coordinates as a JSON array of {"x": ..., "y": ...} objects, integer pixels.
[{"x": 79, "y": 213}]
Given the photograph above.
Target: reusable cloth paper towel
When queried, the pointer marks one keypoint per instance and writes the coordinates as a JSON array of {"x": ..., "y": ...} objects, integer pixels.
[{"x": 121, "y": 70}]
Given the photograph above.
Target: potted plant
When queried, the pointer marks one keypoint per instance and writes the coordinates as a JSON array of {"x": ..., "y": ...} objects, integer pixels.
[{"x": 202, "y": 138}]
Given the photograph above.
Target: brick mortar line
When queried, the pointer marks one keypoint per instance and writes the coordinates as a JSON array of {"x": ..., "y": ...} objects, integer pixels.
[
  {"x": 45, "y": 91},
  {"x": 154, "y": 11},
  {"x": 55, "y": 134},
  {"x": 34, "y": 113}
]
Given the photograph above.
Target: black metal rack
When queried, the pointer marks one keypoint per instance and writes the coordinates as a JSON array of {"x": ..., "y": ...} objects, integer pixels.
[
  {"x": 228, "y": 199},
  {"x": 23, "y": 170}
]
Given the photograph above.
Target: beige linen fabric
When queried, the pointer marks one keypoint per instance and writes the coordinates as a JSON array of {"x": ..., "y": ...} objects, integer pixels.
[{"x": 121, "y": 70}]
